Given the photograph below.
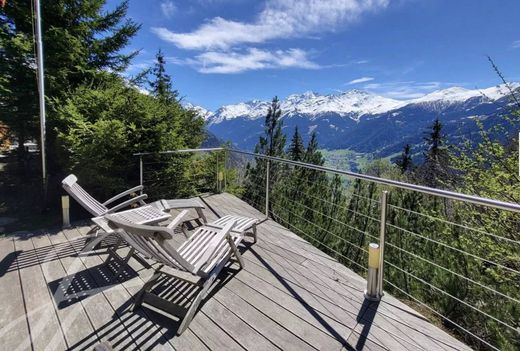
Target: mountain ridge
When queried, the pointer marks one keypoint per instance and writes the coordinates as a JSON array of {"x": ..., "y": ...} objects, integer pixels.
[{"x": 365, "y": 122}]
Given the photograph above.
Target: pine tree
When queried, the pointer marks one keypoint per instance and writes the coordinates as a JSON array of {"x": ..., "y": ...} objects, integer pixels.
[
  {"x": 272, "y": 143},
  {"x": 275, "y": 139},
  {"x": 161, "y": 84},
  {"x": 405, "y": 163},
  {"x": 82, "y": 42},
  {"x": 296, "y": 149},
  {"x": 312, "y": 154},
  {"x": 434, "y": 171}
]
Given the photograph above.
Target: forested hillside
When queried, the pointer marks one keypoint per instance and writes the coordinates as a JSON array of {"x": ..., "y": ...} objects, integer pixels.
[{"x": 457, "y": 263}]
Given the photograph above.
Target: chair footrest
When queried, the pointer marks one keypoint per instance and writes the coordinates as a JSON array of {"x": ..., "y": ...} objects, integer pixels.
[
  {"x": 242, "y": 224},
  {"x": 164, "y": 305}
]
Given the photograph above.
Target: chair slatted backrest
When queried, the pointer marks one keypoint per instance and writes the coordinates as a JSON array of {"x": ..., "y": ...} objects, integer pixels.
[
  {"x": 147, "y": 240},
  {"x": 71, "y": 186}
]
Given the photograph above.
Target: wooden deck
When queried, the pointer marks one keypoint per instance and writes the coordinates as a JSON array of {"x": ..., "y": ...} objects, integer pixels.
[{"x": 290, "y": 296}]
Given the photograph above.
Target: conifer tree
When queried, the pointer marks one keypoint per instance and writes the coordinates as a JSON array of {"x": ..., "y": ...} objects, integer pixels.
[
  {"x": 405, "y": 163},
  {"x": 296, "y": 149},
  {"x": 434, "y": 171},
  {"x": 312, "y": 154},
  {"x": 82, "y": 43},
  {"x": 272, "y": 143},
  {"x": 162, "y": 84}
]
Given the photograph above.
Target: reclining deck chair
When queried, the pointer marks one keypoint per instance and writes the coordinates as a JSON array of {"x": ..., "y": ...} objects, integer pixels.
[
  {"x": 198, "y": 261},
  {"x": 97, "y": 209}
]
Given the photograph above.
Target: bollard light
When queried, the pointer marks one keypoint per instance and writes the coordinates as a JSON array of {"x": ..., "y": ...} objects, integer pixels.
[
  {"x": 373, "y": 270},
  {"x": 65, "y": 205}
]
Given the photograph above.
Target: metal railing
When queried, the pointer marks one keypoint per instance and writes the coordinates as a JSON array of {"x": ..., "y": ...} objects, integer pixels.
[{"x": 364, "y": 226}]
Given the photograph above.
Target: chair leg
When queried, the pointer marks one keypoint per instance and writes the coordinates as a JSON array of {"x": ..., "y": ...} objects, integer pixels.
[
  {"x": 235, "y": 251},
  {"x": 184, "y": 231},
  {"x": 124, "y": 261},
  {"x": 195, "y": 305},
  {"x": 254, "y": 234},
  {"x": 93, "y": 243},
  {"x": 201, "y": 215}
]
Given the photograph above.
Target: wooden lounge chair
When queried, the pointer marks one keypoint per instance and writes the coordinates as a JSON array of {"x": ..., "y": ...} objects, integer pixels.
[
  {"x": 198, "y": 261},
  {"x": 97, "y": 209}
]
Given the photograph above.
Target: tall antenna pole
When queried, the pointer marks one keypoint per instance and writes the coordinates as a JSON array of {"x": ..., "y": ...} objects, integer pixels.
[{"x": 41, "y": 91}]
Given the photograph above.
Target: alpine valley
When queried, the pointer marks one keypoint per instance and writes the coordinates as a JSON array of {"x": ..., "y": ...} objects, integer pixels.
[{"x": 363, "y": 122}]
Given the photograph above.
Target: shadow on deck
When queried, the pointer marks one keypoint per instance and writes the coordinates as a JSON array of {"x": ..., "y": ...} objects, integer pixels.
[{"x": 289, "y": 296}]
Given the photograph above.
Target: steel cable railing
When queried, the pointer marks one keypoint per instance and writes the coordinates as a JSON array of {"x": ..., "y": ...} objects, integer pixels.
[
  {"x": 311, "y": 209},
  {"x": 456, "y": 224},
  {"x": 454, "y": 249}
]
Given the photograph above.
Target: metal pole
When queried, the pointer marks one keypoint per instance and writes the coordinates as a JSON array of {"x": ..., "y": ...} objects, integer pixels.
[
  {"x": 217, "y": 174},
  {"x": 371, "y": 292},
  {"x": 267, "y": 189},
  {"x": 41, "y": 91},
  {"x": 141, "y": 172},
  {"x": 226, "y": 155},
  {"x": 382, "y": 231}
]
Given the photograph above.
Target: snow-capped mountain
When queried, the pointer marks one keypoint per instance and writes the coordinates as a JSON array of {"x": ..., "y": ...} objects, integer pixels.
[
  {"x": 205, "y": 114},
  {"x": 352, "y": 104},
  {"x": 361, "y": 120}
]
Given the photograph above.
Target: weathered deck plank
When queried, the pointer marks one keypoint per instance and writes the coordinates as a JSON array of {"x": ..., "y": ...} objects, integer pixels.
[
  {"x": 44, "y": 323},
  {"x": 289, "y": 296},
  {"x": 14, "y": 326}
]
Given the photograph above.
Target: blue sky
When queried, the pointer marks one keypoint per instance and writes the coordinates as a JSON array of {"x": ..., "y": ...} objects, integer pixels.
[{"x": 226, "y": 51}]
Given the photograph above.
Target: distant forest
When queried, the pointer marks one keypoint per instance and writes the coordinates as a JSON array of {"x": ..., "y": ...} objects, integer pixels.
[{"x": 455, "y": 262}]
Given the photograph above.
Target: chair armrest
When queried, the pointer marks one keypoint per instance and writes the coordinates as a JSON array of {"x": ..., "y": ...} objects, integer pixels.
[
  {"x": 127, "y": 203},
  {"x": 177, "y": 220},
  {"x": 145, "y": 230},
  {"x": 123, "y": 194},
  {"x": 214, "y": 244}
]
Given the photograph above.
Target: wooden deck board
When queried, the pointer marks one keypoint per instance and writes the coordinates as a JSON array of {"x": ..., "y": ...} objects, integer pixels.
[
  {"x": 14, "y": 325},
  {"x": 290, "y": 296},
  {"x": 44, "y": 323}
]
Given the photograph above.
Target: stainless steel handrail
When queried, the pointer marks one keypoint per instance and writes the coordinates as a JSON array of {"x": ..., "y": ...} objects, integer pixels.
[
  {"x": 407, "y": 186},
  {"x": 180, "y": 151},
  {"x": 419, "y": 188}
]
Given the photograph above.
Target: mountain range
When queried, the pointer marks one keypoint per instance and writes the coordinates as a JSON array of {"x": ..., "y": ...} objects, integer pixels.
[{"x": 362, "y": 121}]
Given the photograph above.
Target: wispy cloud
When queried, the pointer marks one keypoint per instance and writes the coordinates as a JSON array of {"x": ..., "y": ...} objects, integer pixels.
[
  {"x": 515, "y": 44},
  {"x": 360, "y": 80},
  {"x": 251, "y": 59},
  {"x": 405, "y": 89},
  {"x": 278, "y": 19},
  {"x": 168, "y": 8}
]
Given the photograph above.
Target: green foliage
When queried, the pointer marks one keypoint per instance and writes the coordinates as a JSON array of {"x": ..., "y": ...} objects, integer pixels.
[
  {"x": 81, "y": 42},
  {"x": 405, "y": 163},
  {"x": 296, "y": 149},
  {"x": 100, "y": 129},
  {"x": 458, "y": 259}
]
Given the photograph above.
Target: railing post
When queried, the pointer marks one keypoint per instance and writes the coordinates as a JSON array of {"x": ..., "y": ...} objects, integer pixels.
[
  {"x": 382, "y": 232},
  {"x": 371, "y": 292},
  {"x": 217, "y": 187},
  {"x": 141, "y": 172},
  {"x": 226, "y": 156},
  {"x": 267, "y": 189}
]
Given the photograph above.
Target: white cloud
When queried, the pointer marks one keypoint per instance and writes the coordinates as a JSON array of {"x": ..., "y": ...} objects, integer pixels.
[
  {"x": 139, "y": 66},
  {"x": 168, "y": 8},
  {"x": 278, "y": 19},
  {"x": 251, "y": 59},
  {"x": 515, "y": 44},
  {"x": 360, "y": 80}
]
